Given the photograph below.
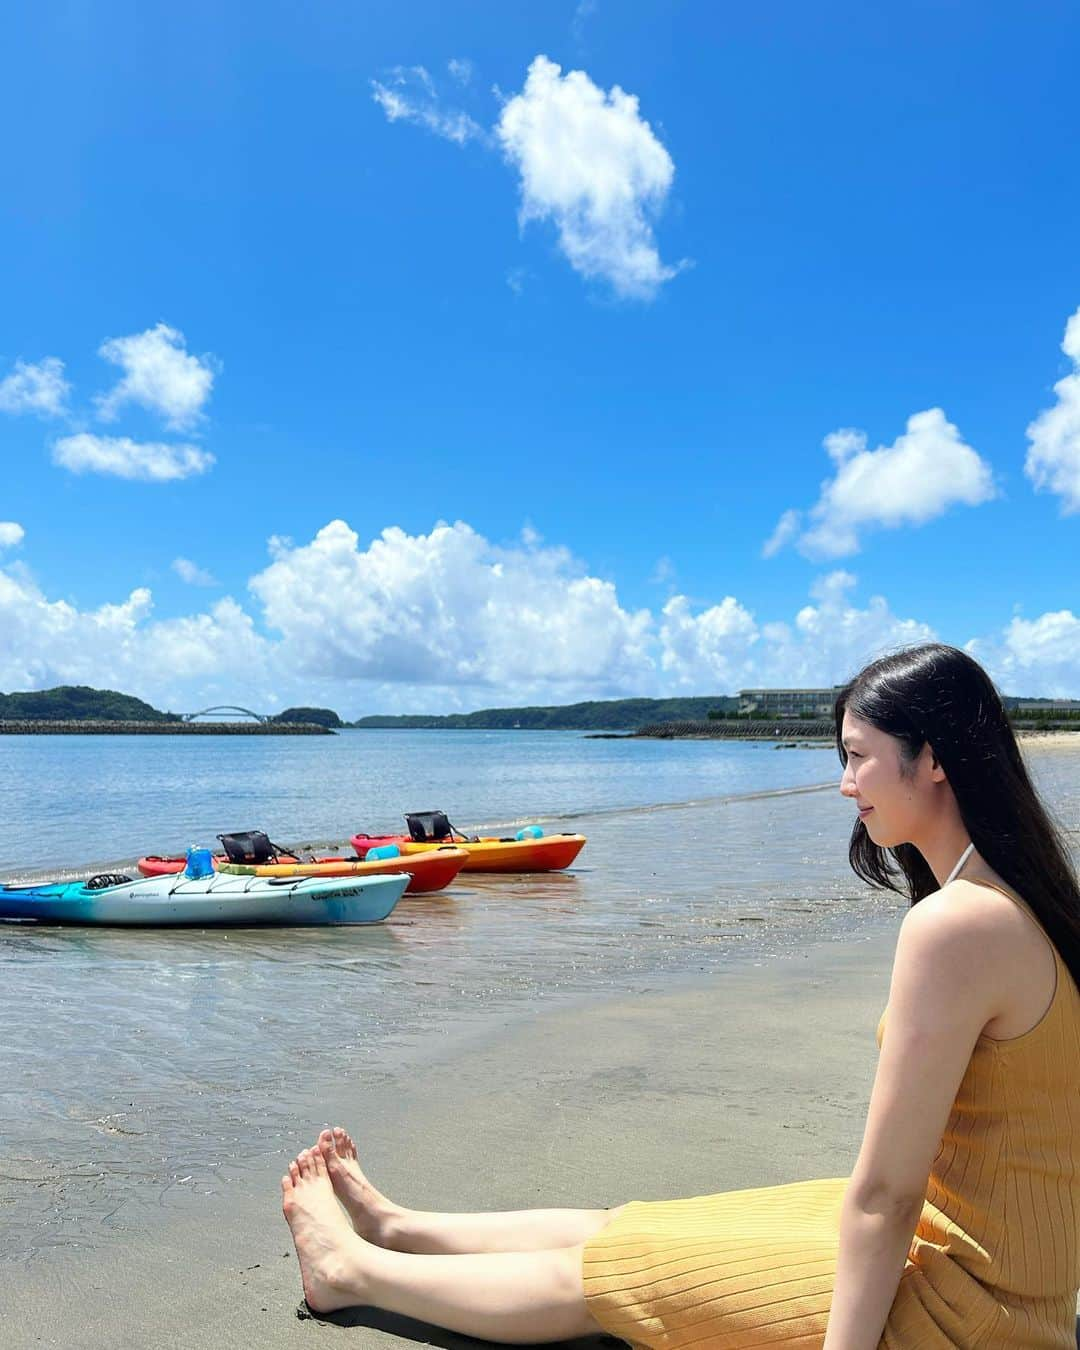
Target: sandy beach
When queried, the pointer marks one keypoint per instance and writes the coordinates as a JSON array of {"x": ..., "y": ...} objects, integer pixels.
[
  {"x": 1050, "y": 740},
  {"x": 729, "y": 1065},
  {"x": 761, "y": 1076}
]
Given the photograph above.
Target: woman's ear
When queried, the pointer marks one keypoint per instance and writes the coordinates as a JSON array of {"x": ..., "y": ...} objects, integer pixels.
[{"x": 937, "y": 773}]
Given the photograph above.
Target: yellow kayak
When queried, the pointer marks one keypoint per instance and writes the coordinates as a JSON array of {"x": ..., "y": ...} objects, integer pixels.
[{"x": 546, "y": 854}]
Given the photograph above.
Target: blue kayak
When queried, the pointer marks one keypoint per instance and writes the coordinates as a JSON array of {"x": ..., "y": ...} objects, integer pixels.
[{"x": 212, "y": 901}]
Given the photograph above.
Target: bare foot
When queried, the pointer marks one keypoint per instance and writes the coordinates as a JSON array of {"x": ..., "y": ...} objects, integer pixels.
[
  {"x": 371, "y": 1213},
  {"x": 331, "y": 1256}
]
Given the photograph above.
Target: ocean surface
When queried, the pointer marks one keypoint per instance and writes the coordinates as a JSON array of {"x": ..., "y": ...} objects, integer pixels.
[
  {"x": 71, "y": 802},
  {"x": 132, "y": 1061}
]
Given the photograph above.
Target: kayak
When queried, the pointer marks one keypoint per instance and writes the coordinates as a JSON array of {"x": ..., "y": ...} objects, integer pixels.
[
  {"x": 426, "y": 871},
  {"x": 167, "y": 865},
  {"x": 213, "y": 901},
  {"x": 546, "y": 854}
]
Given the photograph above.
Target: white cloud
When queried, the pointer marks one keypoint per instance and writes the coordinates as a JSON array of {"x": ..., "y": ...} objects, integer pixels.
[
  {"x": 1053, "y": 459},
  {"x": 585, "y": 10},
  {"x": 664, "y": 572},
  {"x": 1037, "y": 658},
  {"x": 724, "y": 648},
  {"x": 787, "y": 528},
  {"x": 408, "y": 95},
  {"x": 712, "y": 649},
  {"x": 190, "y": 572},
  {"x": 593, "y": 166},
  {"x": 39, "y": 388},
  {"x": 461, "y": 68},
  {"x": 448, "y": 620},
  {"x": 121, "y": 457},
  {"x": 159, "y": 375},
  {"x": 11, "y": 534},
  {"x": 920, "y": 476},
  {"x": 449, "y": 608},
  {"x": 120, "y": 646}
]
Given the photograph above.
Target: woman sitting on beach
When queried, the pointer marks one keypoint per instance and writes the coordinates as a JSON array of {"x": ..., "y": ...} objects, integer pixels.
[{"x": 958, "y": 1226}]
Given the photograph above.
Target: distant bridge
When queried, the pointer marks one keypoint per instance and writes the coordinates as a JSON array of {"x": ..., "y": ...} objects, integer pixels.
[{"x": 229, "y": 708}]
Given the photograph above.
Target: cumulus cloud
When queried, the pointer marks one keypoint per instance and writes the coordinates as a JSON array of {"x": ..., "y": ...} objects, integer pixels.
[
  {"x": 449, "y": 608},
  {"x": 448, "y": 620},
  {"x": 715, "y": 646},
  {"x": 588, "y": 163},
  {"x": 1037, "y": 658},
  {"x": 11, "y": 534},
  {"x": 920, "y": 476},
  {"x": 1053, "y": 458},
  {"x": 725, "y": 647},
  {"x": 591, "y": 165},
  {"x": 190, "y": 572},
  {"x": 121, "y": 646},
  {"x": 159, "y": 375},
  {"x": 39, "y": 388},
  {"x": 408, "y": 94},
  {"x": 121, "y": 457}
]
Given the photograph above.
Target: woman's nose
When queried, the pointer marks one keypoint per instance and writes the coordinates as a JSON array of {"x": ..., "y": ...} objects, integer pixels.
[{"x": 847, "y": 782}]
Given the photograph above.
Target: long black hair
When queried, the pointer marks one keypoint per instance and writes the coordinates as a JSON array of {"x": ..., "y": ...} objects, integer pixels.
[{"x": 938, "y": 695}]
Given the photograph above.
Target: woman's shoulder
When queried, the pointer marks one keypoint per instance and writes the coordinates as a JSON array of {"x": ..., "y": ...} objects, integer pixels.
[
  {"x": 1014, "y": 955},
  {"x": 979, "y": 905}
]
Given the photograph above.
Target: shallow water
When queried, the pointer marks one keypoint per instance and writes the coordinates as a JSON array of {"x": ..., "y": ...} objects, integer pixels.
[
  {"x": 69, "y": 802},
  {"x": 133, "y": 1061}
]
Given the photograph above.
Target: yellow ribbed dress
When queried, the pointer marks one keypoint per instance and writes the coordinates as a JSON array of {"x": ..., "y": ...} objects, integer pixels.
[{"x": 994, "y": 1262}]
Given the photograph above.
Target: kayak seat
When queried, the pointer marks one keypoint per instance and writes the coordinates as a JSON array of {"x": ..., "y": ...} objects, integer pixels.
[
  {"x": 248, "y": 846},
  {"x": 433, "y": 827},
  {"x": 104, "y": 879},
  {"x": 427, "y": 827}
]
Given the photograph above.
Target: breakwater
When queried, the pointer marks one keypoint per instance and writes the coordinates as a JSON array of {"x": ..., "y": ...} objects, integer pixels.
[
  {"x": 740, "y": 731},
  {"x": 793, "y": 730},
  {"x": 93, "y": 728}
]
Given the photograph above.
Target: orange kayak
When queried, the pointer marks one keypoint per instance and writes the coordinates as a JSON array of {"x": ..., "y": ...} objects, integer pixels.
[
  {"x": 546, "y": 854},
  {"x": 430, "y": 871}
]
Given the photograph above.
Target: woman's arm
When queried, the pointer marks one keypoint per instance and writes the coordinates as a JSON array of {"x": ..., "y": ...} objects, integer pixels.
[
  {"x": 874, "y": 1242},
  {"x": 950, "y": 968}
]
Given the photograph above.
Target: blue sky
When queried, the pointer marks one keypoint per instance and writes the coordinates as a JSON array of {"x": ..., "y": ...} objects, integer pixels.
[{"x": 390, "y": 265}]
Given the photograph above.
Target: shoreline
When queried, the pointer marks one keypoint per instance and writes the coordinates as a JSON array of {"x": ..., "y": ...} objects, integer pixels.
[{"x": 761, "y": 1073}]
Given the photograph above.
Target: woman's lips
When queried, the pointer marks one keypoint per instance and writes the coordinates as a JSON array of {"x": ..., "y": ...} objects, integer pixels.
[{"x": 864, "y": 811}]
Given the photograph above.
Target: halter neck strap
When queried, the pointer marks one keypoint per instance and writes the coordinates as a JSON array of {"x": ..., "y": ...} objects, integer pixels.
[{"x": 959, "y": 865}]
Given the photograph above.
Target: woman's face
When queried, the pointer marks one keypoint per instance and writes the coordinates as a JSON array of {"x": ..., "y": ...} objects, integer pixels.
[{"x": 892, "y": 794}]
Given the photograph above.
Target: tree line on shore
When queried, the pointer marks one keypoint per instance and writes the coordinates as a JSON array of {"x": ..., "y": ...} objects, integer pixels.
[
  {"x": 80, "y": 703},
  {"x": 73, "y": 703}
]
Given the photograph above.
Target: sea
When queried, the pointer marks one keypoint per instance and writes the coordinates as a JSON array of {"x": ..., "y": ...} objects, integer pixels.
[{"x": 132, "y": 1060}]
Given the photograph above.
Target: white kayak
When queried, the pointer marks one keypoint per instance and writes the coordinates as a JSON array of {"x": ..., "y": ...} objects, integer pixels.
[{"x": 211, "y": 901}]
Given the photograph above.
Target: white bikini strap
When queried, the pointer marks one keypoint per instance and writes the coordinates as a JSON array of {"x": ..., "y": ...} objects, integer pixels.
[{"x": 959, "y": 865}]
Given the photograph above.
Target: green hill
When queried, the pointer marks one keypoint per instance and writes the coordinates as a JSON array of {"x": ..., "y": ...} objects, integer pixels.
[
  {"x": 321, "y": 717},
  {"x": 621, "y": 714},
  {"x": 78, "y": 703}
]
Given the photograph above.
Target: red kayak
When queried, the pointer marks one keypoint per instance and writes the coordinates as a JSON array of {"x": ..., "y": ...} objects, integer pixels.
[{"x": 428, "y": 871}]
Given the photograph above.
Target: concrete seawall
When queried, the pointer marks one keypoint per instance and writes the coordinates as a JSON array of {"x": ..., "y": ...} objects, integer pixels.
[{"x": 71, "y": 728}]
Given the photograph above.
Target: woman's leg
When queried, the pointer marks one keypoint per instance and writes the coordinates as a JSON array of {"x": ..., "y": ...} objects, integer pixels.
[
  {"x": 380, "y": 1221},
  {"x": 514, "y": 1297}
]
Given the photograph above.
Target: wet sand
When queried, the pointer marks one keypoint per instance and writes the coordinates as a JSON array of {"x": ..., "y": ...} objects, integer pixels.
[{"x": 759, "y": 1077}]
